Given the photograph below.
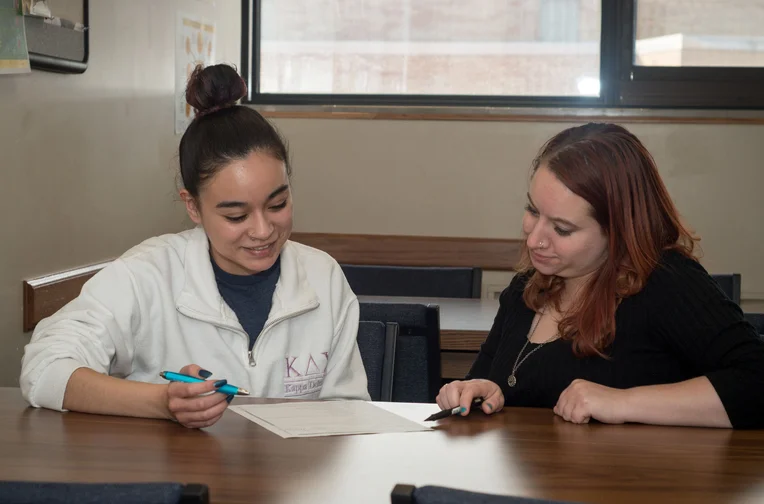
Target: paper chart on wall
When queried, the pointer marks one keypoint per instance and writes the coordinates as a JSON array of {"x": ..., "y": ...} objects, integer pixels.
[
  {"x": 194, "y": 44},
  {"x": 14, "y": 57}
]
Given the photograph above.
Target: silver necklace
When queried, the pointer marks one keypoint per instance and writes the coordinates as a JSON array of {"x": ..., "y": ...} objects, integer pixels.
[{"x": 512, "y": 380}]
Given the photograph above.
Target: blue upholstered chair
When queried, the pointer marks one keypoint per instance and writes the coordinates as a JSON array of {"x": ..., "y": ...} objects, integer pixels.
[
  {"x": 730, "y": 284},
  {"x": 757, "y": 321},
  {"x": 377, "y": 343},
  {"x": 407, "y": 494},
  {"x": 412, "y": 281},
  {"x": 417, "y": 352},
  {"x": 28, "y": 492}
]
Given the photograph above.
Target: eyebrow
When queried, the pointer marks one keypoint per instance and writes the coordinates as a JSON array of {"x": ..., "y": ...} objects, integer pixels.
[
  {"x": 557, "y": 220},
  {"x": 241, "y": 204},
  {"x": 278, "y": 191},
  {"x": 230, "y": 204}
]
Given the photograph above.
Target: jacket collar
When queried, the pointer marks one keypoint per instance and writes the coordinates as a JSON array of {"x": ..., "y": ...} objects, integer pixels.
[{"x": 201, "y": 299}]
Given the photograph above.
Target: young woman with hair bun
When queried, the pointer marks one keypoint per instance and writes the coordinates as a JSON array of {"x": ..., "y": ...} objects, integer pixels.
[{"x": 233, "y": 296}]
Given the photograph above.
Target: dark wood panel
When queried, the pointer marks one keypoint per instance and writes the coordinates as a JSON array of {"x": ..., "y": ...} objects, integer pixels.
[
  {"x": 392, "y": 250},
  {"x": 456, "y": 365},
  {"x": 469, "y": 341},
  {"x": 519, "y": 451}
]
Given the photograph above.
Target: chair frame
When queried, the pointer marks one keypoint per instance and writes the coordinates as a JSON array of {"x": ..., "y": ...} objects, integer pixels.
[
  {"x": 388, "y": 363},
  {"x": 433, "y": 350},
  {"x": 402, "y": 494}
]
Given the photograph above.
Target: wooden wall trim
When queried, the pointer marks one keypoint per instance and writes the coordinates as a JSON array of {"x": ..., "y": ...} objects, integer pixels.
[
  {"x": 45, "y": 295},
  {"x": 393, "y": 250}
]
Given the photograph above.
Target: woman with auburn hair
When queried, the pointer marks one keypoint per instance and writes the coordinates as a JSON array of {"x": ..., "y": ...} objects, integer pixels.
[{"x": 610, "y": 316}]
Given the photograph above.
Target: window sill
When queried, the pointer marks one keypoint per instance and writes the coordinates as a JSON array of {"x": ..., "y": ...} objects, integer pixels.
[{"x": 504, "y": 114}]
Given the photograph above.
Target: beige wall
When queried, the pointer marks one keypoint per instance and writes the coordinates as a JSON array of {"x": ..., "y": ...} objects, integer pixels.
[
  {"x": 470, "y": 179},
  {"x": 88, "y": 160},
  {"x": 89, "y": 165}
]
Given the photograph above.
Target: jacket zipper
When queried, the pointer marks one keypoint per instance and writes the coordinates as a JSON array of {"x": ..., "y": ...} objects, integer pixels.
[
  {"x": 251, "y": 353},
  {"x": 198, "y": 316}
]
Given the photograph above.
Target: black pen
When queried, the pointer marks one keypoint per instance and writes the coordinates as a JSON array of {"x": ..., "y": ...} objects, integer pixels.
[{"x": 455, "y": 411}]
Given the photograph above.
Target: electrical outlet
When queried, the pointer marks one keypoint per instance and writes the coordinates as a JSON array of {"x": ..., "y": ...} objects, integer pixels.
[{"x": 494, "y": 283}]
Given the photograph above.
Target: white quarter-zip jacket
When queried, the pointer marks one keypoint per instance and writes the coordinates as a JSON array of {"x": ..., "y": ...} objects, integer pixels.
[{"x": 158, "y": 308}]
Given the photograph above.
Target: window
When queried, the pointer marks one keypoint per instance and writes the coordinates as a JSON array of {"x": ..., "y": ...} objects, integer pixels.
[
  {"x": 705, "y": 33},
  {"x": 559, "y": 20},
  {"x": 691, "y": 53},
  {"x": 585, "y": 53},
  {"x": 429, "y": 47}
]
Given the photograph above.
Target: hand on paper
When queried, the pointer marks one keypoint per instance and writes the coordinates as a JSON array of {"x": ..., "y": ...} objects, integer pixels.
[{"x": 461, "y": 393}]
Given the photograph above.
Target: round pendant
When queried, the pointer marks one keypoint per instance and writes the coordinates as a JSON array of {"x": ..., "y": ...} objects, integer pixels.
[{"x": 511, "y": 381}]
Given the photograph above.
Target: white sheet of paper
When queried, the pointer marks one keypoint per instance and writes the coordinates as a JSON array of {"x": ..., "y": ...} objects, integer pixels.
[
  {"x": 326, "y": 418},
  {"x": 416, "y": 412}
]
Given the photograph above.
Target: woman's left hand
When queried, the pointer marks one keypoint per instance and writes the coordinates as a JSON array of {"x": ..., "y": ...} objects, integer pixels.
[{"x": 584, "y": 400}]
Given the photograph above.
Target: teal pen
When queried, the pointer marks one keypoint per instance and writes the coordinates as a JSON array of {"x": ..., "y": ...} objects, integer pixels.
[{"x": 225, "y": 389}]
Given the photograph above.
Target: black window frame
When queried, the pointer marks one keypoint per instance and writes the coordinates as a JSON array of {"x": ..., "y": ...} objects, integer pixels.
[{"x": 622, "y": 83}]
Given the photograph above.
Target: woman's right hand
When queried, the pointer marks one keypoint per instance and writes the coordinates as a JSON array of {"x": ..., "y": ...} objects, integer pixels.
[
  {"x": 461, "y": 393},
  {"x": 189, "y": 407}
]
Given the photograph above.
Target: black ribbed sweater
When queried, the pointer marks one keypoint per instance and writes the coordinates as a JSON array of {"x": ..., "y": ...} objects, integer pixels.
[{"x": 679, "y": 326}]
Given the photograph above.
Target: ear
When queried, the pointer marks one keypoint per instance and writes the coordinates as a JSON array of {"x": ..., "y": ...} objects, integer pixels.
[{"x": 192, "y": 207}]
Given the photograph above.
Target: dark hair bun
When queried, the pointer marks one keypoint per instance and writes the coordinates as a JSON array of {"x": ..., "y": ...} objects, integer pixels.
[{"x": 214, "y": 87}]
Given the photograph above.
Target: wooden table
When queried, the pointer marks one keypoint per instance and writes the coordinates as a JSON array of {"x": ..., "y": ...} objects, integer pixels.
[
  {"x": 524, "y": 452},
  {"x": 464, "y": 325}
]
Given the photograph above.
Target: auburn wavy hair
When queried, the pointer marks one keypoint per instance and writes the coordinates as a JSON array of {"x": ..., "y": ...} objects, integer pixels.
[{"x": 608, "y": 167}]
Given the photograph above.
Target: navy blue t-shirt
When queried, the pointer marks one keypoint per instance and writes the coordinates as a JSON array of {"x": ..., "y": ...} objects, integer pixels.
[{"x": 249, "y": 296}]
